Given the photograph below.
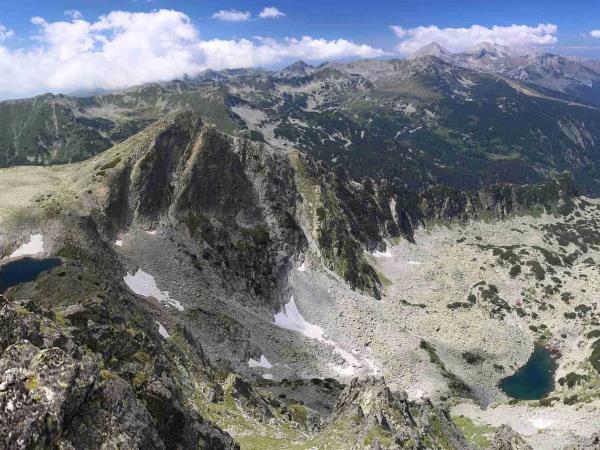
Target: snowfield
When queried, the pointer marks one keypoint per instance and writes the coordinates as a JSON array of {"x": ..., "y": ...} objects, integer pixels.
[
  {"x": 162, "y": 330},
  {"x": 291, "y": 319},
  {"x": 378, "y": 254},
  {"x": 33, "y": 247},
  {"x": 144, "y": 284},
  {"x": 264, "y": 363}
]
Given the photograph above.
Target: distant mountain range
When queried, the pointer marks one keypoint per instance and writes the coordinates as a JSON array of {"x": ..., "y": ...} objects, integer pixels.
[
  {"x": 575, "y": 77},
  {"x": 466, "y": 120}
]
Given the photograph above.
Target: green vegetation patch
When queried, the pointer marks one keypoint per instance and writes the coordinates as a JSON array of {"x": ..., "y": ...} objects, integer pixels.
[
  {"x": 595, "y": 356},
  {"x": 479, "y": 436}
]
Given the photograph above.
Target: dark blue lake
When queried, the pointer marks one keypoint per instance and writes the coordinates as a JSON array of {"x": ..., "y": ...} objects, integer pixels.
[
  {"x": 534, "y": 380},
  {"x": 24, "y": 270}
]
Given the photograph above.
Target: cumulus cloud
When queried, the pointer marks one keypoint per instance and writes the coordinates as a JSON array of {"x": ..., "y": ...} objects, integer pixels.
[
  {"x": 5, "y": 33},
  {"x": 270, "y": 12},
  {"x": 74, "y": 14},
  {"x": 123, "y": 49},
  {"x": 460, "y": 39},
  {"x": 595, "y": 33},
  {"x": 232, "y": 15},
  {"x": 221, "y": 53}
]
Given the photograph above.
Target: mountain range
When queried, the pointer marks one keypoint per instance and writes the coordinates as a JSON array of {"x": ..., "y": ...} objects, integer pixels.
[
  {"x": 463, "y": 120},
  {"x": 344, "y": 256}
]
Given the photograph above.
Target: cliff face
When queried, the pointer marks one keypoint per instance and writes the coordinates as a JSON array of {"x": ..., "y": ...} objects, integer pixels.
[
  {"x": 245, "y": 207},
  {"x": 249, "y": 209},
  {"x": 497, "y": 201},
  {"x": 232, "y": 202}
]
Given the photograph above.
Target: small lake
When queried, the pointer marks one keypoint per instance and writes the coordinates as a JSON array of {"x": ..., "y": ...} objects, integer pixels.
[
  {"x": 534, "y": 380},
  {"x": 24, "y": 270}
]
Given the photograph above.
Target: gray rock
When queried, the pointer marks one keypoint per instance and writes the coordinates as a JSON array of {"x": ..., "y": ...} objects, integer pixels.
[{"x": 508, "y": 439}]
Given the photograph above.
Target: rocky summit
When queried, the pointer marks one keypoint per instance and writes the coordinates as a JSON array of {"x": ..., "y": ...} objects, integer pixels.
[{"x": 337, "y": 256}]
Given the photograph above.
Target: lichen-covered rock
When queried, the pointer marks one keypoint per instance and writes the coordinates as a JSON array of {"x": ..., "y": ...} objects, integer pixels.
[
  {"x": 16, "y": 326},
  {"x": 41, "y": 391},
  {"x": 508, "y": 439},
  {"x": 62, "y": 389}
]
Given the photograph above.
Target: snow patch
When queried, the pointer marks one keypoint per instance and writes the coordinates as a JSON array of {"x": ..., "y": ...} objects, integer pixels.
[
  {"x": 302, "y": 268},
  {"x": 144, "y": 284},
  {"x": 33, "y": 247},
  {"x": 119, "y": 243},
  {"x": 345, "y": 371},
  {"x": 264, "y": 363},
  {"x": 291, "y": 319},
  {"x": 378, "y": 254},
  {"x": 414, "y": 263},
  {"x": 348, "y": 357},
  {"x": 162, "y": 330},
  {"x": 541, "y": 422},
  {"x": 151, "y": 232},
  {"x": 267, "y": 376}
]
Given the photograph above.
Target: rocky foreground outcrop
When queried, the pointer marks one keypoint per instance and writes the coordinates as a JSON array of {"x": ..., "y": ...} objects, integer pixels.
[
  {"x": 369, "y": 414},
  {"x": 507, "y": 439},
  {"x": 58, "y": 390}
]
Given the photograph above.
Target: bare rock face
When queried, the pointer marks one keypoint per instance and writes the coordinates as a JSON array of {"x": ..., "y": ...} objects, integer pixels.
[
  {"x": 42, "y": 390},
  {"x": 382, "y": 419},
  {"x": 239, "y": 204},
  {"x": 496, "y": 200},
  {"x": 55, "y": 391},
  {"x": 508, "y": 439}
]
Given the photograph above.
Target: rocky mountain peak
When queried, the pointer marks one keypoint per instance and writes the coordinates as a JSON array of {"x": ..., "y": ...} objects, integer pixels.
[
  {"x": 431, "y": 49},
  {"x": 297, "y": 69},
  {"x": 490, "y": 49}
]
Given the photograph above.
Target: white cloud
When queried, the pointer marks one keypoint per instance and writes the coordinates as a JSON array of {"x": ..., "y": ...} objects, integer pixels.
[
  {"x": 460, "y": 39},
  {"x": 222, "y": 53},
  {"x": 270, "y": 12},
  {"x": 122, "y": 49},
  {"x": 5, "y": 33},
  {"x": 398, "y": 31},
  {"x": 595, "y": 33},
  {"x": 232, "y": 15},
  {"x": 74, "y": 14}
]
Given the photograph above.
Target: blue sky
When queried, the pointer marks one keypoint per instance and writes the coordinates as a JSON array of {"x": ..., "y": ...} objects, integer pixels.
[
  {"x": 44, "y": 49},
  {"x": 357, "y": 20}
]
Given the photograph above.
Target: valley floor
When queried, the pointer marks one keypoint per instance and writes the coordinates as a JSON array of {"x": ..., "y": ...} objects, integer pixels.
[{"x": 457, "y": 290}]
